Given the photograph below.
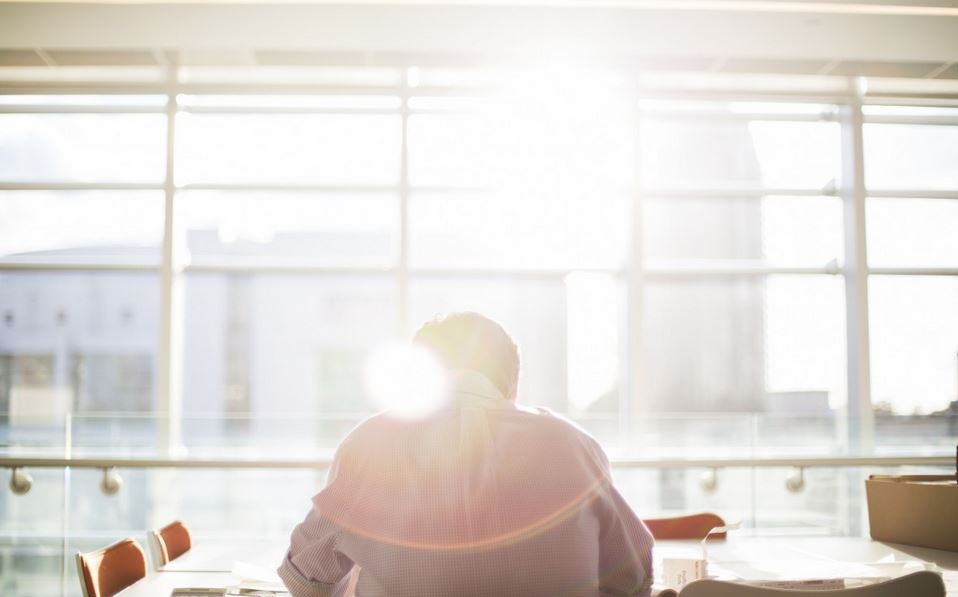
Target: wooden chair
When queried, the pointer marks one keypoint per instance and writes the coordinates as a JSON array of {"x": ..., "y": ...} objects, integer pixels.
[
  {"x": 169, "y": 543},
  {"x": 692, "y": 526},
  {"x": 916, "y": 584},
  {"x": 105, "y": 572}
]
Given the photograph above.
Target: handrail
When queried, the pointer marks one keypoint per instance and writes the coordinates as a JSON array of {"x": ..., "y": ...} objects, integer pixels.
[{"x": 15, "y": 462}]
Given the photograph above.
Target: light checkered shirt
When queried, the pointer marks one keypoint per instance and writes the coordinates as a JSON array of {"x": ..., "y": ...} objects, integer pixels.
[{"x": 484, "y": 498}]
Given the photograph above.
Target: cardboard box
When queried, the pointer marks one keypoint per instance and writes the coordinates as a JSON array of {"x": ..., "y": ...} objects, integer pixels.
[{"x": 917, "y": 510}]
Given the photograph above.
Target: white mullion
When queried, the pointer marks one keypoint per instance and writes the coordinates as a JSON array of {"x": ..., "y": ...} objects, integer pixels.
[
  {"x": 913, "y": 271},
  {"x": 661, "y": 115},
  {"x": 15, "y": 265},
  {"x": 733, "y": 192},
  {"x": 403, "y": 263},
  {"x": 913, "y": 194},
  {"x": 286, "y": 188},
  {"x": 635, "y": 284},
  {"x": 918, "y": 120},
  {"x": 722, "y": 268},
  {"x": 78, "y": 109},
  {"x": 81, "y": 186},
  {"x": 859, "y": 409},
  {"x": 168, "y": 389}
]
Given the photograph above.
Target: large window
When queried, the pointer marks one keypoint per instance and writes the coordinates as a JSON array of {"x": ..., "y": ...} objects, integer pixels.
[{"x": 652, "y": 255}]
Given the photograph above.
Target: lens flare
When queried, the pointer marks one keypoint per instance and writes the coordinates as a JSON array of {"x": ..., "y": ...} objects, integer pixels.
[{"x": 405, "y": 379}]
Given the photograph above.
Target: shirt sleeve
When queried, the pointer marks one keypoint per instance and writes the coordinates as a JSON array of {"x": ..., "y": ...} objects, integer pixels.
[
  {"x": 625, "y": 544},
  {"x": 314, "y": 566}
]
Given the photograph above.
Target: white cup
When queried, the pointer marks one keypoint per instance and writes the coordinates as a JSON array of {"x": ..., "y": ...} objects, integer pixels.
[{"x": 678, "y": 572}]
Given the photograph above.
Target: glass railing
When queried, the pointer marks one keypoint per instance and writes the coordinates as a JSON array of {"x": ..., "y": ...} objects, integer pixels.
[{"x": 251, "y": 478}]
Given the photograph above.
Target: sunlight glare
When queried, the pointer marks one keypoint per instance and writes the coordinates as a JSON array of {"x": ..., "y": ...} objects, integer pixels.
[{"x": 405, "y": 379}]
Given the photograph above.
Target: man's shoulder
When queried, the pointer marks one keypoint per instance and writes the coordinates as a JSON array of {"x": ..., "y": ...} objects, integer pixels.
[
  {"x": 536, "y": 421},
  {"x": 555, "y": 423}
]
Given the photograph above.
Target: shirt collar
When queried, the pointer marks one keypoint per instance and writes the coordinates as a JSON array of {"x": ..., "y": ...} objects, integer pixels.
[{"x": 471, "y": 388}]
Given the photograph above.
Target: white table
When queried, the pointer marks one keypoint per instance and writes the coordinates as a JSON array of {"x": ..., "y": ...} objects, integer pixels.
[
  {"x": 220, "y": 555},
  {"x": 766, "y": 558},
  {"x": 742, "y": 556},
  {"x": 161, "y": 584}
]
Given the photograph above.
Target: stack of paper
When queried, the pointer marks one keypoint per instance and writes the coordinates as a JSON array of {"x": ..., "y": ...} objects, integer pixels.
[{"x": 256, "y": 581}]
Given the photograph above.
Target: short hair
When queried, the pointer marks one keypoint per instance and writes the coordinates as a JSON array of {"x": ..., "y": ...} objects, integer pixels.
[{"x": 469, "y": 340}]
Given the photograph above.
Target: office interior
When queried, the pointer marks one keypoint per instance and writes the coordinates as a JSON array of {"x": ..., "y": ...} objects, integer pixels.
[{"x": 724, "y": 235}]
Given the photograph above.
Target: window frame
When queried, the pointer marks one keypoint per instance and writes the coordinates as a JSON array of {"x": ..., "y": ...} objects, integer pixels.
[{"x": 850, "y": 188}]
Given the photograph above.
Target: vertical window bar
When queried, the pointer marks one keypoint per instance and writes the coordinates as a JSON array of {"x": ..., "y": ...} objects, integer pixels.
[
  {"x": 169, "y": 395},
  {"x": 403, "y": 266},
  {"x": 859, "y": 411},
  {"x": 633, "y": 408}
]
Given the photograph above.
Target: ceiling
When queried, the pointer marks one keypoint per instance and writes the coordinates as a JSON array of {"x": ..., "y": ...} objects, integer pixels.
[{"x": 877, "y": 38}]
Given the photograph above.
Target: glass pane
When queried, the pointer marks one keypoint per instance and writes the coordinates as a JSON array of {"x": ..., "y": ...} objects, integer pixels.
[
  {"x": 288, "y": 148},
  {"x": 906, "y": 156},
  {"x": 677, "y": 154},
  {"x": 282, "y": 344},
  {"x": 780, "y": 230},
  {"x": 526, "y": 142},
  {"x": 805, "y": 370},
  {"x": 567, "y": 331},
  {"x": 449, "y": 150},
  {"x": 76, "y": 342},
  {"x": 912, "y": 232},
  {"x": 773, "y": 344},
  {"x": 348, "y": 228},
  {"x": 31, "y": 530},
  {"x": 82, "y": 147},
  {"x": 532, "y": 231},
  {"x": 113, "y": 225},
  {"x": 914, "y": 343}
]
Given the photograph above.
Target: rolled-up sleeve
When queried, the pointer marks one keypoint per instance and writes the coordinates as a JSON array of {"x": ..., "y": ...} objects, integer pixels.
[
  {"x": 625, "y": 549},
  {"x": 625, "y": 543},
  {"x": 314, "y": 566}
]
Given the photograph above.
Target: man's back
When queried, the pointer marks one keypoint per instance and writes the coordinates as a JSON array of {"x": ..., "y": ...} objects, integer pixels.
[{"x": 481, "y": 498}]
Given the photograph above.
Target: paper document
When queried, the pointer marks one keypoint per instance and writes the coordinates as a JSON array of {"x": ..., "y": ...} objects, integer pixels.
[
  {"x": 256, "y": 580},
  {"x": 811, "y": 584}
]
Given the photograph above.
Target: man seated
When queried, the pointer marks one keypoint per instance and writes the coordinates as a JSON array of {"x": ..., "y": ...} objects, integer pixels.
[{"x": 481, "y": 498}]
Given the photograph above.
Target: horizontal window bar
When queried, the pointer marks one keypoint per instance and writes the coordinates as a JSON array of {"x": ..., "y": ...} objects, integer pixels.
[
  {"x": 352, "y": 188},
  {"x": 530, "y": 274},
  {"x": 913, "y": 119},
  {"x": 17, "y": 265},
  {"x": 79, "y": 109},
  {"x": 292, "y": 187},
  {"x": 697, "y": 193},
  {"x": 911, "y": 194},
  {"x": 734, "y": 193},
  {"x": 283, "y": 110},
  {"x": 644, "y": 89},
  {"x": 81, "y": 186},
  {"x": 696, "y": 269},
  {"x": 706, "y": 116},
  {"x": 654, "y": 270},
  {"x": 244, "y": 266},
  {"x": 319, "y": 463},
  {"x": 913, "y": 271}
]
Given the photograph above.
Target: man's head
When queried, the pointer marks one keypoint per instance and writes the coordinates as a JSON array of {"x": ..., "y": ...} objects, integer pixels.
[{"x": 472, "y": 341}]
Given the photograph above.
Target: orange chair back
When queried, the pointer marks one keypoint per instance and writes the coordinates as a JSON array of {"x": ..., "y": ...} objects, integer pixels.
[
  {"x": 107, "y": 571},
  {"x": 693, "y": 526},
  {"x": 174, "y": 540}
]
